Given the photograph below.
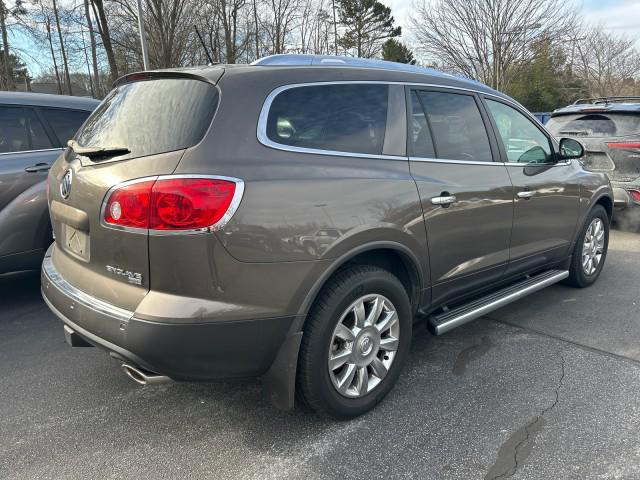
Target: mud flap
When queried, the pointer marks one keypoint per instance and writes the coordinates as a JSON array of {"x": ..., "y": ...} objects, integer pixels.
[{"x": 279, "y": 383}]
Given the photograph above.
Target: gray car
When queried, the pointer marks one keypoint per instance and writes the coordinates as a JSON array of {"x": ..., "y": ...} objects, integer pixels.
[
  {"x": 179, "y": 207},
  {"x": 609, "y": 130},
  {"x": 33, "y": 130}
]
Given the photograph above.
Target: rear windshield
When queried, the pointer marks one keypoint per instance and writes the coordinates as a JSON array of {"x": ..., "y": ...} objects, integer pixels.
[
  {"x": 595, "y": 125},
  {"x": 151, "y": 116},
  {"x": 343, "y": 118}
]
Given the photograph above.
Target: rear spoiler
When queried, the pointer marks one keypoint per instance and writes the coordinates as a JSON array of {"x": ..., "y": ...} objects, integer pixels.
[{"x": 214, "y": 75}]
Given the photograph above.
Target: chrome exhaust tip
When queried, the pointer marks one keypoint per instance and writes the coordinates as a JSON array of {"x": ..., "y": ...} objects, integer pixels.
[{"x": 143, "y": 377}]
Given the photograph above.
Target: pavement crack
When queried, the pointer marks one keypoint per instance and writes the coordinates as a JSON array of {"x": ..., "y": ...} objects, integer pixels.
[{"x": 515, "y": 450}]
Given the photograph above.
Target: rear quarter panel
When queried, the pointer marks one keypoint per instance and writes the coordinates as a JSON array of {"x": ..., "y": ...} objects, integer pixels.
[{"x": 289, "y": 196}]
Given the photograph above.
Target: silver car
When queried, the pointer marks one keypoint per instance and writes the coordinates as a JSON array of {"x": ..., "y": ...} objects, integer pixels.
[
  {"x": 609, "y": 129},
  {"x": 34, "y": 128}
]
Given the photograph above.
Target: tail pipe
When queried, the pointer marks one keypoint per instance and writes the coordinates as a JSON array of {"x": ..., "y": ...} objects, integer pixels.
[{"x": 143, "y": 377}]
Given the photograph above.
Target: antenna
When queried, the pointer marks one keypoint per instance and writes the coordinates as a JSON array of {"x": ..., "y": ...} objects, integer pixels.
[{"x": 211, "y": 62}]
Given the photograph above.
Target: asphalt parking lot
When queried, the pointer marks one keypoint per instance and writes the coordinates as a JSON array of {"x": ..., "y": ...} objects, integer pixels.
[{"x": 546, "y": 388}]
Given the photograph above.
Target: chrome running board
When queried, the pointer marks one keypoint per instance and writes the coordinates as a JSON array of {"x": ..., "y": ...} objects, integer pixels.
[{"x": 450, "y": 319}]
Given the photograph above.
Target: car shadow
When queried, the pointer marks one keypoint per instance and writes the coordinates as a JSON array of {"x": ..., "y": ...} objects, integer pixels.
[{"x": 19, "y": 295}]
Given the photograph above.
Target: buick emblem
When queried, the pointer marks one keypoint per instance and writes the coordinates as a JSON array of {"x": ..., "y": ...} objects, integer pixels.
[
  {"x": 365, "y": 346},
  {"x": 65, "y": 184}
]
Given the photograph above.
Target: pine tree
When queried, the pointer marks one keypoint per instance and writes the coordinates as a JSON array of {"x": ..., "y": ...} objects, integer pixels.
[
  {"x": 367, "y": 23},
  {"x": 396, "y": 51}
]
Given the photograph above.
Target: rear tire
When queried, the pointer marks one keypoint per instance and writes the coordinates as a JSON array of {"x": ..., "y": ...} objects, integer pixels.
[
  {"x": 375, "y": 300},
  {"x": 590, "y": 250}
]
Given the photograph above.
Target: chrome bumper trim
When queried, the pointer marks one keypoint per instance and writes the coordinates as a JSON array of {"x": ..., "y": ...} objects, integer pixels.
[{"x": 79, "y": 296}]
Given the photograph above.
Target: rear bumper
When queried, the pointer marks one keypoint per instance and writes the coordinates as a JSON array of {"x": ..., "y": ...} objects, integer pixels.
[
  {"x": 621, "y": 197},
  {"x": 181, "y": 351}
]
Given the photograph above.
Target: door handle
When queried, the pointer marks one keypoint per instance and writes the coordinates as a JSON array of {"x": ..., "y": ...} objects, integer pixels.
[
  {"x": 444, "y": 200},
  {"x": 38, "y": 167},
  {"x": 526, "y": 194}
]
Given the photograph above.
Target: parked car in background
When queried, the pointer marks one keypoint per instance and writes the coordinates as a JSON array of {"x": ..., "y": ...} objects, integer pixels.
[
  {"x": 421, "y": 195},
  {"x": 542, "y": 117},
  {"x": 34, "y": 129},
  {"x": 609, "y": 130}
]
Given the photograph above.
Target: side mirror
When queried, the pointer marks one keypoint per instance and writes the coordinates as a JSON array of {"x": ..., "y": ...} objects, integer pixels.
[{"x": 570, "y": 148}]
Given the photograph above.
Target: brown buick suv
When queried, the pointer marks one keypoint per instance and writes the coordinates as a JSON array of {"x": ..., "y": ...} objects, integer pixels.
[{"x": 296, "y": 218}]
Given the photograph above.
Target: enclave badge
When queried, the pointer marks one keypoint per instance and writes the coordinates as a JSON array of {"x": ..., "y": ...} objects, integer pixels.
[
  {"x": 132, "y": 277},
  {"x": 65, "y": 184}
]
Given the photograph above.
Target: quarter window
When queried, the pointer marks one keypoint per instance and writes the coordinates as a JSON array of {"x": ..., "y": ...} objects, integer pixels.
[
  {"x": 65, "y": 123},
  {"x": 342, "y": 118},
  {"x": 522, "y": 140},
  {"x": 457, "y": 126},
  {"x": 21, "y": 130}
]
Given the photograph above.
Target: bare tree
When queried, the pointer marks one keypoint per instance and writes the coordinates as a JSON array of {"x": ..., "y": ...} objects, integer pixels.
[
  {"x": 94, "y": 50},
  {"x": 607, "y": 62},
  {"x": 7, "y": 75},
  {"x": 105, "y": 35},
  {"x": 65, "y": 63},
  {"x": 230, "y": 19},
  {"x": 279, "y": 22},
  {"x": 488, "y": 40}
]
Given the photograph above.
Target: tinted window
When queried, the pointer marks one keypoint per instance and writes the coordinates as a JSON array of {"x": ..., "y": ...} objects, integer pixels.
[
  {"x": 595, "y": 125},
  {"x": 522, "y": 140},
  {"x": 152, "y": 116},
  {"x": 457, "y": 126},
  {"x": 343, "y": 118},
  {"x": 65, "y": 123},
  {"x": 20, "y": 130},
  {"x": 419, "y": 135}
]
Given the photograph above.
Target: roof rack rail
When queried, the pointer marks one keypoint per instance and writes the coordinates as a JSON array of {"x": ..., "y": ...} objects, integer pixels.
[
  {"x": 340, "y": 61},
  {"x": 607, "y": 100}
]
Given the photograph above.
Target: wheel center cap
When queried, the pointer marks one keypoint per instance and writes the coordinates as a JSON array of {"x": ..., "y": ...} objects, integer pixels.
[{"x": 366, "y": 345}]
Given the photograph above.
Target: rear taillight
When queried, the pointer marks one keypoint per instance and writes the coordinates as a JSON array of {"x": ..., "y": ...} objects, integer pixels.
[
  {"x": 635, "y": 194},
  {"x": 624, "y": 145},
  {"x": 173, "y": 203}
]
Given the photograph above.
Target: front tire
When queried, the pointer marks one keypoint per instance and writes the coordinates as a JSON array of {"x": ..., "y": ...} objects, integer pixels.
[
  {"x": 355, "y": 342},
  {"x": 591, "y": 248}
]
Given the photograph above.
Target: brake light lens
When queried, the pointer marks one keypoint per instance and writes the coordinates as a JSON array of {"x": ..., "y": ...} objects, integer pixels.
[
  {"x": 624, "y": 145},
  {"x": 168, "y": 204},
  {"x": 188, "y": 203},
  {"x": 635, "y": 194}
]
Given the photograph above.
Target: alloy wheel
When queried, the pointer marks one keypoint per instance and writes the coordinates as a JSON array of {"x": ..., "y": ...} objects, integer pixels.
[
  {"x": 363, "y": 345},
  {"x": 593, "y": 246}
]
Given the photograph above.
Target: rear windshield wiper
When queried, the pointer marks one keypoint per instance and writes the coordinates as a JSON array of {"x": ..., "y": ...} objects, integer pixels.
[{"x": 93, "y": 152}]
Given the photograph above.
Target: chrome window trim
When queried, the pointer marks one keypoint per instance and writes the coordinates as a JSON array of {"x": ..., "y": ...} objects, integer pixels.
[
  {"x": 81, "y": 297},
  {"x": 264, "y": 139},
  {"x": 517, "y": 164},
  {"x": 261, "y": 131},
  {"x": 32, "y": 151},
  {"x": 461, "y": 162},
  {"x": 233, "y": 206}
]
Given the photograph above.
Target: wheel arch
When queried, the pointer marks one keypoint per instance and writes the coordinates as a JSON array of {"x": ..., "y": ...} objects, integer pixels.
[
  {"x": 392, "y": 256},
  {"x": 607, "y": 202}
]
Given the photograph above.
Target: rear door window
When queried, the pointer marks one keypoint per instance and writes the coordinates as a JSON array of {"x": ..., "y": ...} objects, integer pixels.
[
  {"x": 65, "y": 123},
  {"x": 420, "y": 143},
  {"x": 595, "y": 125},
  {"x": 523, "y": 141},
  {"x": 151, "y": 116},
  {"x": 341, "y": 118},
  {"x": 21, "y": 130},
  {"x": 456, "y": 125}
]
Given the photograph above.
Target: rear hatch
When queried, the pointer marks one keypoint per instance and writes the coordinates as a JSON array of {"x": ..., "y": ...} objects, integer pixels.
[
  {"x": 611, "y": 140},
  {"x": 144, "y": 126}
]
